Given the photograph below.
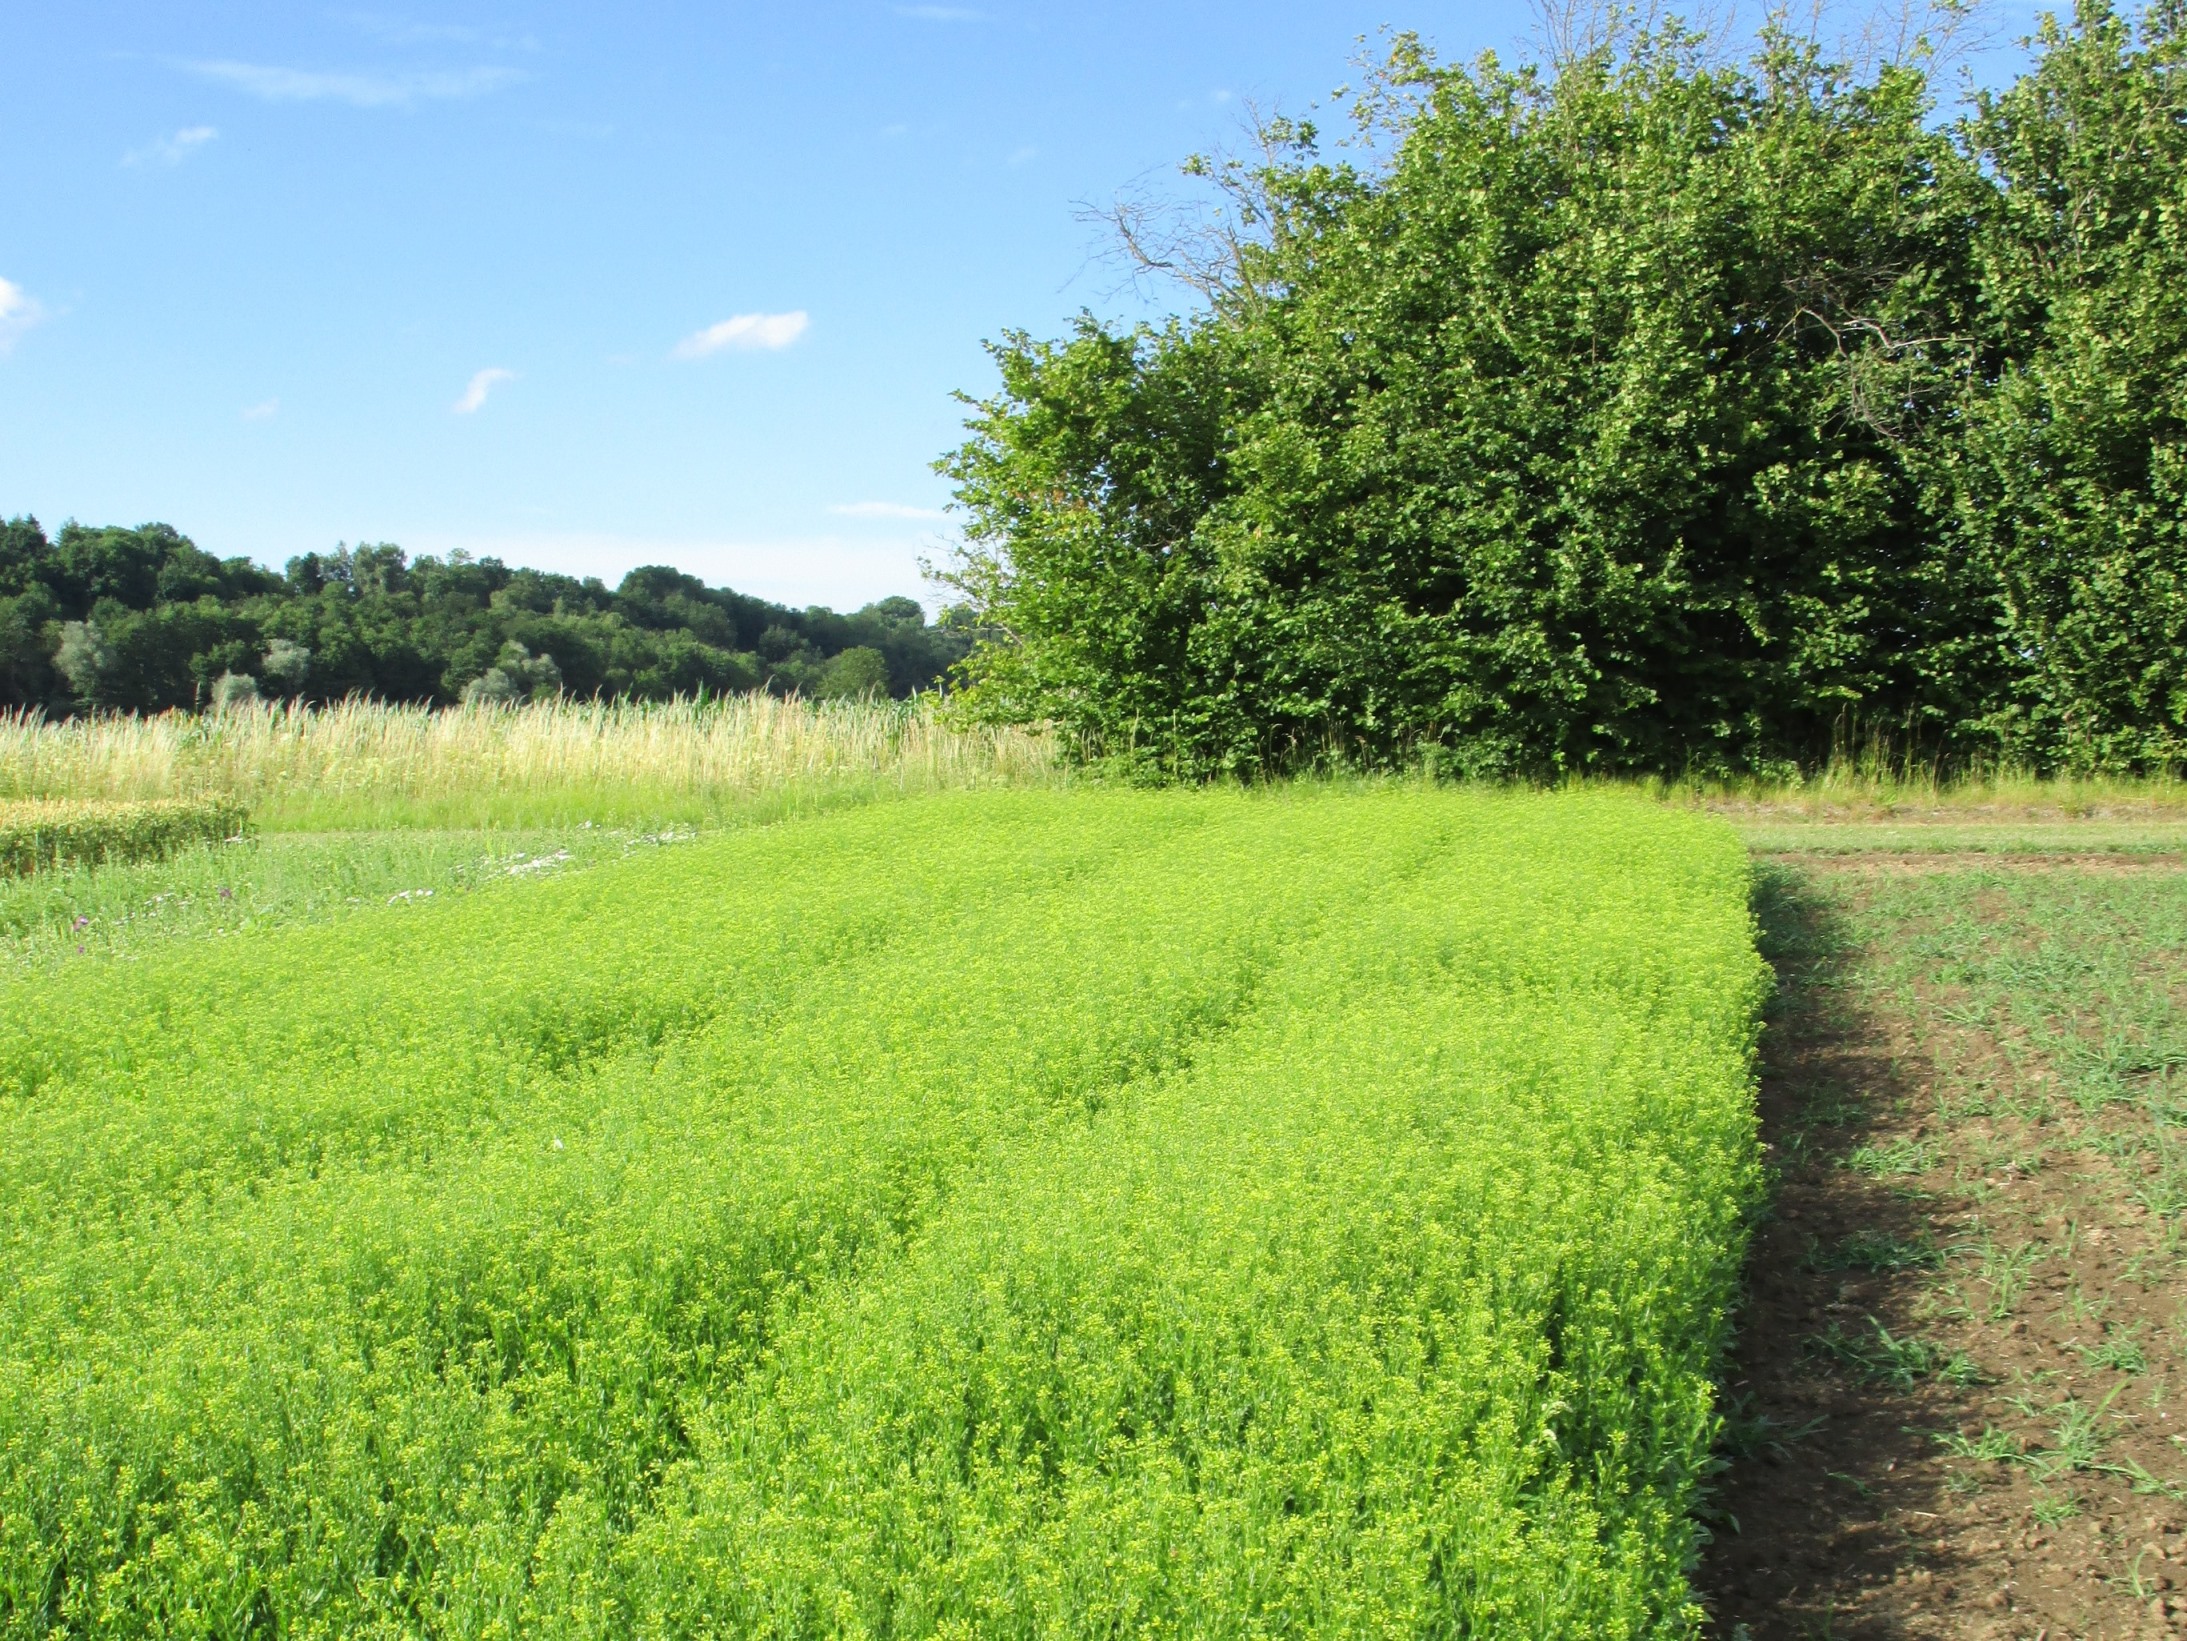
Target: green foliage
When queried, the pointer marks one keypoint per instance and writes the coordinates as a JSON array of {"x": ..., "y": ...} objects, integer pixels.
[
  {"x": 1899, "y": 1362},
  {"x": 516, "y": 675},
  {"x": 40, "y": 836},
  {"x": 857, "y": 674},
  {"x": 143, "y": 620},
  {"x": 1656, "y": 415},
  {"x": 1005, "y": 1214},
  {"x": 2069, "y": 486}
]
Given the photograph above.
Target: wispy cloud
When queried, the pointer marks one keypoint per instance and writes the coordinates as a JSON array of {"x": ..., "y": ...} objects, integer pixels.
[
  {"x": 403, "y": 31},
  {"x": 171, "y": 150},
  {"x": 941, "y": 14},
  {"x": 1023, "y": 156},
  {"x": 745, "y": 330},
  {"x": 885, "y": 510},
  {"x": 481, "y": 385},
  {"x": 19, "y": 311},
  {"x": 264, "y": 410},
  {"x": 366, "y": 90}
]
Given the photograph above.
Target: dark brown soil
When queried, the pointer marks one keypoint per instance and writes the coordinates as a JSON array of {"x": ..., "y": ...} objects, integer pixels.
[{"x": 1846, "y": 1511}]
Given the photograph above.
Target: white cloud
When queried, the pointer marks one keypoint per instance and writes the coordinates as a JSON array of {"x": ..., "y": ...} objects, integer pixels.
[
  {"x": 297, "y": 85},
  {"x": 885, "y": 510},
  {"x": 403, "y": 31},
  {"x": 481, "y": 385},
  {"x": 1023, "y": 156},
  {"x": 941, "y": 14},
  {"x": 264, "y": 410},
  {"x": 19, "y": 311},
  {"x": 171, "y": 150},
  {"x": 746, "y": 330}
]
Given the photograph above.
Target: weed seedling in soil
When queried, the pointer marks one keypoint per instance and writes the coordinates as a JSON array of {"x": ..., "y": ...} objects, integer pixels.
[
  {"x": 2118, "y": 1351},
  {"x": 1874, "y": 1250}
]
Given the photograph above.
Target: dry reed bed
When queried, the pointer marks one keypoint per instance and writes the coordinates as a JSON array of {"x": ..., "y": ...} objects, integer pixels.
[{"x": 734, "y": 746}]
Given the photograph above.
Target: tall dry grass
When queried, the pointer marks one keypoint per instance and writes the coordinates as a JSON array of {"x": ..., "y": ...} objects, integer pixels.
[
  {"x": 1850, "y": 792},
  {"x": 362, "y": 763}
]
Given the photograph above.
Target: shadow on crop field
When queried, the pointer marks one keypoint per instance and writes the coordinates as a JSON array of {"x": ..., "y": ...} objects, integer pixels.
[
  {"x": 1818, "y": 1455},
  {"x": 1948, "y": 1409}
]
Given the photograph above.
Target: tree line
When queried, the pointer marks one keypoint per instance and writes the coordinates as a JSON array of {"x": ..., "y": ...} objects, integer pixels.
[
  {"x": 1643, "y": 411},
  {"x": 145, "y": 620}
]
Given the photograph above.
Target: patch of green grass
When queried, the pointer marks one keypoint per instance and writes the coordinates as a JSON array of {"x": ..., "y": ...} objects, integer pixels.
[
  {"x": 1876, "y": 1354},
  {"x": 1992, "y": 1446},
  {"x": 2075, "y": 972},
  {"x": 1880, "y": 1251},
  {"x": 2007, "y": 1272},
  {"x": 2077, "y": 1440},
  {"x": 64, "y": 918},
  {"x": 2051, "y": 1509},
  {"x": 1772, "y": 836},
  {"x": 1748, "y": 1433},
  {"x": 1893, "y": 1159},
  {"x": 1002, "y": 1215},
  {"x": 45, "y": 836}
]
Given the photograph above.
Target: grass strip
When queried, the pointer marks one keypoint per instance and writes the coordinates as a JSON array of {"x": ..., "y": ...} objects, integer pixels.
[{"x": 38, "y": 836}]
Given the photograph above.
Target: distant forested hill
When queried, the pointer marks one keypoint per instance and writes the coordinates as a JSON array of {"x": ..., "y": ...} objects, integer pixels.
[{"x": 144, "y": 619}]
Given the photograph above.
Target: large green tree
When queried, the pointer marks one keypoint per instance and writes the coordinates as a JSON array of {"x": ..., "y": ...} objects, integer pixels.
[
  {"x": 2068, "y": 484},
  {"x": 1655, "y": 413}
]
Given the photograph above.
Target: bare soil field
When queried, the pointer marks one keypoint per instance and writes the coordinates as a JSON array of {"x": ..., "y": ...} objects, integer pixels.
[{"x": 1955, "y": 1409}]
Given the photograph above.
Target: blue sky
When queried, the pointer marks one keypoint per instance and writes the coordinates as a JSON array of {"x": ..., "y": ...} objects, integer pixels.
[{"x": 587, "y": 286}]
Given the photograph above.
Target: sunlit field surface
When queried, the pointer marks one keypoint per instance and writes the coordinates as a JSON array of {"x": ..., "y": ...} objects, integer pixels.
[{"x": 996, "y": 1213}]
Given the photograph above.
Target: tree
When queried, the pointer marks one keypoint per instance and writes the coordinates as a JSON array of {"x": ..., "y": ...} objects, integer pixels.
[
  {"x": 858, "y": 673},
  {"x": 162, "y": 622},
  {"x": 83, "y": 659},
  {"x": 1576, "y": 438},
  {"x": 2068, "y": 491},
  {"x": 1652, "y": 412}
]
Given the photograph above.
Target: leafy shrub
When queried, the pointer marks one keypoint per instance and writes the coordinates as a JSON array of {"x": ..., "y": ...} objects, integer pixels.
[
  {"x": 232, "y": 690},
  {"x": 517, "y": 676}
]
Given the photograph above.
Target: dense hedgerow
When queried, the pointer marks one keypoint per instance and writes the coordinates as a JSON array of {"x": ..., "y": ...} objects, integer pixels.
[
  {"x": 1645, "y": 412},
  {"x": 35, "y": 835},
  {"x": 994, "y": 1214}
]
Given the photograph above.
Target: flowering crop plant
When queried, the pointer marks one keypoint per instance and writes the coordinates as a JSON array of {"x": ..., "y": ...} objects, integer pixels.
[{"x": 1306, "y": 1212}]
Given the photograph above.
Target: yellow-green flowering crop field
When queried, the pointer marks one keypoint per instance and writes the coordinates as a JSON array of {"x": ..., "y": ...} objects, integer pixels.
[{"x": 1051, "y": 1212}]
